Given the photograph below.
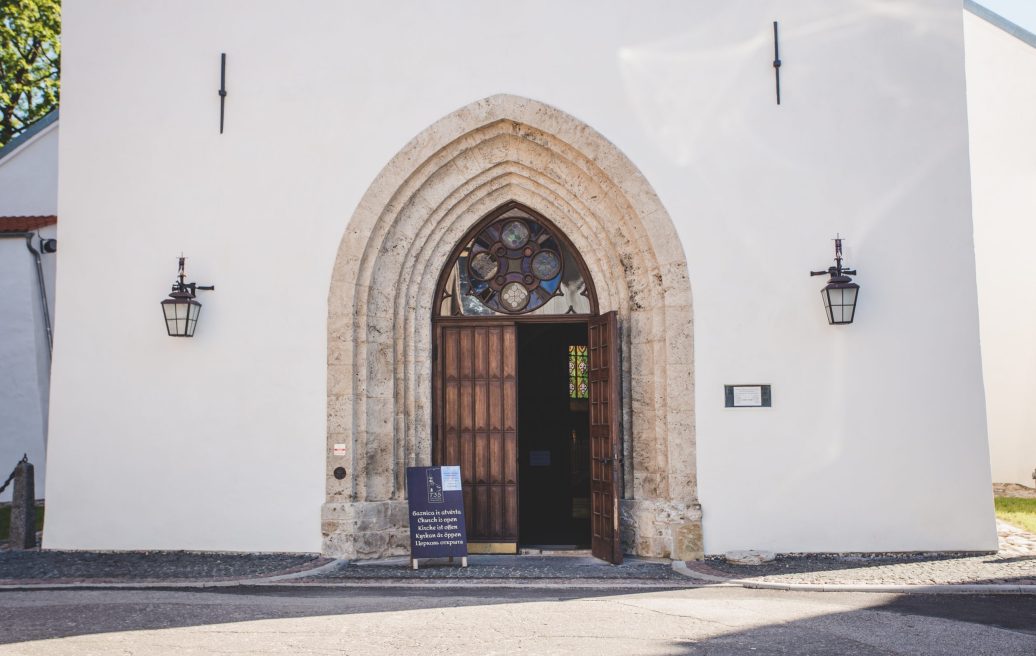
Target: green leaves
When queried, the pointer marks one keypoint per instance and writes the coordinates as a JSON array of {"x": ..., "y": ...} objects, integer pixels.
[{"x": 30, "y": 63}]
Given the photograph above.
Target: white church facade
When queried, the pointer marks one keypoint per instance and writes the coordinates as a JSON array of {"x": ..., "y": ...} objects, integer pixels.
[{"x": 564, "y": 246}]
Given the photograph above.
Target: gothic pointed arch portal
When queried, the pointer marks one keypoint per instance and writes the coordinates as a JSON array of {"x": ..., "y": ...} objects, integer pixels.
[{"x": 504, "y": 149}]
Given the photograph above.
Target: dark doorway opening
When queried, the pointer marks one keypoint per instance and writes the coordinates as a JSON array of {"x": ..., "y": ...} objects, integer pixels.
[{"x": 553, "y": 435}]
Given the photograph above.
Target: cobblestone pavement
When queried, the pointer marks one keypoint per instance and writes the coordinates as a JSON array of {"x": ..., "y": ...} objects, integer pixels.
[
  {"x": 510, "y": 568},
  {"x": 143, "y": 566},
  {"x": 1013, "y": 564},
  {"x": 1014, "y": 541}
]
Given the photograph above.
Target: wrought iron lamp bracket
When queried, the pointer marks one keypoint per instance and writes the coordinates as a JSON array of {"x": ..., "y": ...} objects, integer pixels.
[
  {"x": 181, "y": 289},
  {"x": 837, "y": 272}
]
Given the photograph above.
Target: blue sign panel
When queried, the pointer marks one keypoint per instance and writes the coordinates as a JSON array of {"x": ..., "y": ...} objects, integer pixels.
[{"x": 436, "y": 504}]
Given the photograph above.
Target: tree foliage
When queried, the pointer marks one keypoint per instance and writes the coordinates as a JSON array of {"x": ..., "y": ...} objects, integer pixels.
[{"x": 30, "y": 63}]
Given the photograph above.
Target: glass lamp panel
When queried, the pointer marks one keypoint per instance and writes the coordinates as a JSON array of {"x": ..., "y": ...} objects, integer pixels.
[
  {"x": 192, "y": 320},
  {"x": 839, "y": 303},
  {"x": 175, "y": 313}
]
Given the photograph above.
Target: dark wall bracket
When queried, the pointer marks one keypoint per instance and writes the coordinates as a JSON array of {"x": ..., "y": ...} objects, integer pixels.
[
  {"x": 777, "y": 62},
  {"x": 223, "y": 86}
]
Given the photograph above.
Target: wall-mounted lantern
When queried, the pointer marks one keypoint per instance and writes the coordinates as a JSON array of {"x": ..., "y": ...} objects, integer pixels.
[
  {"x": 180, "y": 309},
  {"x": 841, "y": 292}
]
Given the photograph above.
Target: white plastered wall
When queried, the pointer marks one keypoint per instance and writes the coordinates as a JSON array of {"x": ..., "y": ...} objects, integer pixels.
[
  {"x": 24, "y": 362},
  {"x": 1001, "y": 73},
  {"x": 218, "y": 442},
  {"x": 29, "y": 176},
  {"x": 28, "y": 187}
]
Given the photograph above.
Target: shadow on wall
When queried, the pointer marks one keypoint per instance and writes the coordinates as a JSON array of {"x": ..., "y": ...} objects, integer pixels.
[
  {"x": 684, "y": 87},
  {"x": 713, "y": 87}
]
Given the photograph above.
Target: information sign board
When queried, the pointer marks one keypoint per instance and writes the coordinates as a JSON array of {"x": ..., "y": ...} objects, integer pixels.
[{"x": 436, "y": 509}]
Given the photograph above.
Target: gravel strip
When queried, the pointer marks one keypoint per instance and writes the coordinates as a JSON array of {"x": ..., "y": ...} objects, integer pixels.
[
  {"x": 1013, "y": 564},
  {"x": 886, "y": 570},
  {"x": 139, "y": 566}
]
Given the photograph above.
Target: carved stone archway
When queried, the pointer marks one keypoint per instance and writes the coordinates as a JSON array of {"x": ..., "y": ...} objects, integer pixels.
[{"x": 501, "y": 149}]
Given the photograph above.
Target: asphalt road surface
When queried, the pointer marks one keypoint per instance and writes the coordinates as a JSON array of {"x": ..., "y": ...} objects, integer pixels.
[{"x": 484, "y": 622}]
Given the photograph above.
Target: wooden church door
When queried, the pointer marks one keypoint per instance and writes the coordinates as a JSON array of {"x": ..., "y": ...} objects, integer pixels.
[
  {"x": 477, "y": 416},
  {"x": 514, "y": 268},
  {"x": 605, "y": 436}
]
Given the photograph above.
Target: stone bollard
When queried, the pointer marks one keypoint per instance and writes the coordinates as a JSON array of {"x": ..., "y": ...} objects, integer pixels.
[{"x": 23, "y": 507}]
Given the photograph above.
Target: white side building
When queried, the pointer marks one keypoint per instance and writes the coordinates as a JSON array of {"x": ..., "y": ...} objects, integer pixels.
[
  {"x": 28, "y": 205},
  {"x": 1001, "y": 74}
]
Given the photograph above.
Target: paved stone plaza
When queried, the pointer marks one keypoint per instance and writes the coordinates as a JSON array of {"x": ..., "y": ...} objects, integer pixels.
[
  {"x": 492, "y": 622},
  {"x": 55, "y": 603}
]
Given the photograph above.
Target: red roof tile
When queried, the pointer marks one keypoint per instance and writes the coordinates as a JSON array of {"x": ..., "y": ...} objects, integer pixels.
[{"x": 25, "y": 223}]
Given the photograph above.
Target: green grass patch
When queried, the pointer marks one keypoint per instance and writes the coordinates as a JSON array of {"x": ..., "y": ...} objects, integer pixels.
[
  {"x": 1019, "y": 512},
  {"x": 5, "y": 521}
]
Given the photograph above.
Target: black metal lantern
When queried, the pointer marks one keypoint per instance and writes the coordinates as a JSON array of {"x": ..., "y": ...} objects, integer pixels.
[
  {"x": 841, "y": 292},
  {"x": 180, "y": 309}
]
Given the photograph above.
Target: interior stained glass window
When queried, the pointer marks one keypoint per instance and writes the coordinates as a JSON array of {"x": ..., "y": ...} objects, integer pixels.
[
  {"x": 515, "y": 264},
  {"x": 578, "y": 382}
]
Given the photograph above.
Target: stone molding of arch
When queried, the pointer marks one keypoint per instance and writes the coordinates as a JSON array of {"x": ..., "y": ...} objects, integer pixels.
[{"x": 501, "y": 149}]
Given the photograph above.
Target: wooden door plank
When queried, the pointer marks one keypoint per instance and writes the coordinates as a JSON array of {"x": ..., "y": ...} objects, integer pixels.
[
  {"x": 605, "y": 437},
  {"x": 476, "y": 425}
]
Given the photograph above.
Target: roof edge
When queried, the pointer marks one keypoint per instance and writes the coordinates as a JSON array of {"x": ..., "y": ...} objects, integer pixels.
[
  {"x": 21, "y": 223},
  {"x": 996, "y": 19},
  {"x": 30, "y": 132}
]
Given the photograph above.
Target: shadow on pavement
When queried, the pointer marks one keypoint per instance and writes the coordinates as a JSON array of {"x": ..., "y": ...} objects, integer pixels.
[{"x": 889, "y": 624}]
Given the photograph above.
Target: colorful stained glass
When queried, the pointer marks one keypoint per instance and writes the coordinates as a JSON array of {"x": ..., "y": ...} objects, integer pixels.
[
  {"x": 515, "y": 264},
  {"x": 515, "y": 234},
  {"x": 546, "y": 264},
  {"x": 484, "y": 265},
  {"x": 514, "y": 296},
  {"x": 578, "y": 380}
]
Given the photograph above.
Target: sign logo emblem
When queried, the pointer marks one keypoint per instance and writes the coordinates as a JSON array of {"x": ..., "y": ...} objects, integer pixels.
[{"x": 434, "y": 489}]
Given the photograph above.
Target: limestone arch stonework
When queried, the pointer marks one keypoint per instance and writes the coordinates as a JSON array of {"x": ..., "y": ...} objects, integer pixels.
[{"x": 504, "y": 148}]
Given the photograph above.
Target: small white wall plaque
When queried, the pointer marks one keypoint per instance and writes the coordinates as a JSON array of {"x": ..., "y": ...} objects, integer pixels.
[
  {"x": 339, "y": 449},
  {"x": 539, "y": 458},
  {"x": 748, "y": 396}
]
